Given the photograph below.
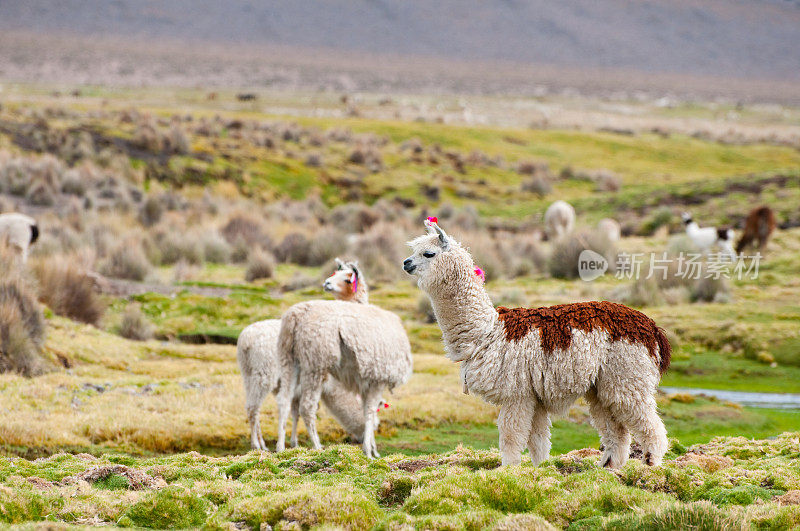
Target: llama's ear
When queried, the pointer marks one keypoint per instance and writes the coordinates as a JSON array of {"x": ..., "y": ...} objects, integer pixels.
[
  {"x": 354, "y": 267},
  {"x": 444, "y": 240},
  {"x": 339, "y": 263}
]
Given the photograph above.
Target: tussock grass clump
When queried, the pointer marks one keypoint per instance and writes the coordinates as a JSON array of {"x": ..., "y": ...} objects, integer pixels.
[
  {"x": 215, "y": 249},
  {"x": 134, "y": 324},
  {"x": 22, "y": 325},
  {"x": 261, "y": 264},
  {"x": 66, "y": 289},
  {"x": 563, "y": 262},
  {"x": 127, "y": 261},
  {"x": 294, "y": 248},
  {"x": 379, "y": 252},
  {"x": 243, "y": 227},
  {"x": 172, "y": 507},
  {"x": 325, "y": 245}
]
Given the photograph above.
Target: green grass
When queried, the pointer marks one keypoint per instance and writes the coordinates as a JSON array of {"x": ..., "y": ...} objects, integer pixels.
[{"x": 731, "y": 480}]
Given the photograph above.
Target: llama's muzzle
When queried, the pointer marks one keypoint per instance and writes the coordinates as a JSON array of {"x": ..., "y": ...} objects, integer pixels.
[{"x": 408, "y": 266}]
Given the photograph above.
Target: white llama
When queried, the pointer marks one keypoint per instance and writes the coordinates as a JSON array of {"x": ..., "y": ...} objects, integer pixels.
[
  {"x": 537, "y": 362},
  {"x": 257, "y": 353},
  {"x": 707, "y": 237},
  {"x": 360, "y": 345},
  {"x": 19, "y": 232},
  {"x": 559, "y": 219}
]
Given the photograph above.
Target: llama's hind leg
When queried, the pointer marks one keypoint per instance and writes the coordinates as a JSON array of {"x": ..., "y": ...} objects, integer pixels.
[
  {"x": 514, "y": 423},
  {"x": 311, "y": 385},
  {"x": 255, "y": 394},
  {"x": 539, "y": 438},
  {"x": 295, "y": 419},
  {"x": 643, "y": 420},
  {"x": 371, "y": 399},
  {"x": 615, "y": 439}
]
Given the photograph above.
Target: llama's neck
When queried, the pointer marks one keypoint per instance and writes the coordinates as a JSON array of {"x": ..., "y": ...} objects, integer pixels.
[
  {"x": 465, "y": 315},
  {"x": 361, "y": 295}
]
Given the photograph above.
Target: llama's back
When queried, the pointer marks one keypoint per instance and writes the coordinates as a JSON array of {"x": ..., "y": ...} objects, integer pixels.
[
  {"x": 317, "y": 334},
  {"x": 560, "y": 352},
  {"x": 257, "y": 354}
]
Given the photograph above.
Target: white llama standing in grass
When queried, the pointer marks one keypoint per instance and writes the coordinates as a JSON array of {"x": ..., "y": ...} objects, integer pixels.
[
  {"x": 559, "y": 219},
  {"x": 363, "y": 347},
  {"x": 707, "y": 237},
  {"x": 610, "y": 229},
  {"x": 257, "y": 353},
  {"x": 537, "y": 362},
  {"x": 19, "y": 232}
]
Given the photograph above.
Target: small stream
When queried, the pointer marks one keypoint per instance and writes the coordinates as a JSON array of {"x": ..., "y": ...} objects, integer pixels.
[{"x": 745, "y": 398}]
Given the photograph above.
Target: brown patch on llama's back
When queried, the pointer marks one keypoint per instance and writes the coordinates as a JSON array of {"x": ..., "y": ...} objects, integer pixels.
[{"x": 556, "y": 323}]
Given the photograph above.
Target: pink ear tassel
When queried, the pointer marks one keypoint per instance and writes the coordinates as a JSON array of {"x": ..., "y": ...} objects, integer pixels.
[
  {"x": 432, "y": 219},
  {"x": 354, "y": 279},
  {"x": 480, "y": 274}
]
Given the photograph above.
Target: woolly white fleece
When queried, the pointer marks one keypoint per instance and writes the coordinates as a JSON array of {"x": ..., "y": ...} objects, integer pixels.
[
  {"x": 364, "y": 347},
  {"x": 559, "y": 219},
  {"x": 16, "y": 230},
  {"x": 257, "y": 353}
]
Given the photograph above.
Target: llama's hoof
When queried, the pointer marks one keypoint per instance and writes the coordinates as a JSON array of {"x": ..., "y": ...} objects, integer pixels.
[{"x": 376, "y": 454}]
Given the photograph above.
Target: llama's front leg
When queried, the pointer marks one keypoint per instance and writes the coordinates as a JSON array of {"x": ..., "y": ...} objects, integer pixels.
[
  {"x": 514, "y": 423},
  {"x": 311, "y": 385},
  {"x": 284, "y": 404},
  {"x": 539, "y": 439},
  {"x": 371, "y": 399}
]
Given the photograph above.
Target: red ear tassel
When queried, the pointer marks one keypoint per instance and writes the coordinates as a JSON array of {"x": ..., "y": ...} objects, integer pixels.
[
  {"x": 385, "y": 405},
  {"x": 432, "y": 219},
  {"x": 480, "y": 274}
]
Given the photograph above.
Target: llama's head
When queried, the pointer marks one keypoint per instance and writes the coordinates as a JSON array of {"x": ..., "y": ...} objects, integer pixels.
[
  {"x": 346, "y": 283},
  {"x": 439, "y": 260},
  {"x": 687, "y": 218}
]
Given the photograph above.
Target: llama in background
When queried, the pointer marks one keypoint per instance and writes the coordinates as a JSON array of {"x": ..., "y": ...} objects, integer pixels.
[
  {"x": 707, "y": 237},
  {"x": 758, "y": 227}
]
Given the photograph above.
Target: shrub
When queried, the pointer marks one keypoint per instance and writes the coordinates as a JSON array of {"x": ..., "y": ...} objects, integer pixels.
[
  {"x": 243, "y": 227},
  {"x": 563, "y": 262},
  {"x": 711, "y": 290},
  {"x": 127, "y": 261},
  {"x": 486, "y": 253},
  {"x": 175, "y": 246},
  {"x": 295, "y": 248},
  {"x": 538, "y": 185},
  {"x": 655, "y": 221},
  {"x": 261, "y": 264},
  {"x": 177, "y": 142},
  {"x": 215, "y": 249},
  {"x": 606, "y": 181},
  {"x": 151, "y": 211},
  {"x": 325, "y": 245},
  {"x": 22, "y": 324},
  {"x": 65, "y": 287},
  {"x": 135, "y": 325},
  {"x": 378, "y": 252}
]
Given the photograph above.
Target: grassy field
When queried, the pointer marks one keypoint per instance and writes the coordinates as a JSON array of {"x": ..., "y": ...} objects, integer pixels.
[{"x": 172, "y": 410}]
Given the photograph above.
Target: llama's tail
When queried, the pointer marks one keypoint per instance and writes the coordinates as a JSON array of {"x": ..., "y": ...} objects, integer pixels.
[
  {"x": 664, "y": 350},
  {"x": 286, "y": 356}
]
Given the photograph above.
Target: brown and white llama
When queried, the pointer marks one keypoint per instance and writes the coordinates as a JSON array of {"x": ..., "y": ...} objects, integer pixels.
[
  {"x": 537, "y": 362},
  {"x": 758, "y": 227}
]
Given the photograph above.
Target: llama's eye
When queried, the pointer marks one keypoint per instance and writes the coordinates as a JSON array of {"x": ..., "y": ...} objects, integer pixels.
[
  {"x": 348, "y": 281},
  {"x": 428, "y": 254}
]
